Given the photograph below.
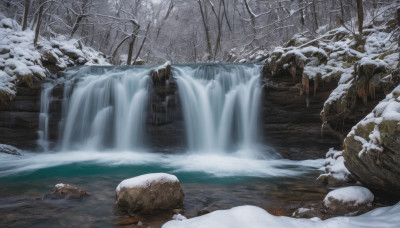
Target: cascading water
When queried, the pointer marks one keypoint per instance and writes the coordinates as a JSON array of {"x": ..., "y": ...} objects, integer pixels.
[
  {"x": 104, "y": 107},
  {"x": 44, "y": 116},
  {"x": 220, "y": 104}
]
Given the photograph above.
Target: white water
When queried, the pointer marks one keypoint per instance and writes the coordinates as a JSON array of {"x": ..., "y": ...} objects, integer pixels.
[
  {"x": 220, "y": 104},
  {"x": 104, "y": 108},
  {"x": 44, "y": 117}
]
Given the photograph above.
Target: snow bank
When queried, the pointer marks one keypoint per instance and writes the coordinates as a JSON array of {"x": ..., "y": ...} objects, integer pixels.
[
  {"x": 146, "y": 180},
  {"x": 354, "y": 194},
  {"x": 255, "y": 217}
]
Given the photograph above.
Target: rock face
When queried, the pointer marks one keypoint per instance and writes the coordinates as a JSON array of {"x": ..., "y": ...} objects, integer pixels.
[
  {"x": 149, "y": 193},
  {"x": 65, "y": 191},
  {"x": 372, "y": 148},
  {"x": 348, "y": 200},
  {"x": 19, "y": 119}
]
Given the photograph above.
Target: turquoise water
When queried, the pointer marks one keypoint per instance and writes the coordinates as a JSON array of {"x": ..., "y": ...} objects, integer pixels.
[{"x": 208, "y": 185}]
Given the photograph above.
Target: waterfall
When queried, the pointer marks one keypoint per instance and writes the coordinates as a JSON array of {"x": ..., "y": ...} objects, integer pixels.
[
  {"x": 105, "y": 108},
  {"x": 220, "y": 104},
  {"x": 44, "y": 116}
]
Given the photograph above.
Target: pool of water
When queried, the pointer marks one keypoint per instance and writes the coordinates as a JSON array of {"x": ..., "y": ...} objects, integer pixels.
[{"x": 210, "y": 181}]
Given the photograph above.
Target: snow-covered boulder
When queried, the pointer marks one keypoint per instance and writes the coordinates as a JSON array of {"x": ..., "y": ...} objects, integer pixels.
[
  {"x": 149, "y": 193},
  {"x": 336, "y": 172},
  {"x": 348, "y": 200},
  {"x": 372, "y": 148},
  {"x": 65, "y": 191}
]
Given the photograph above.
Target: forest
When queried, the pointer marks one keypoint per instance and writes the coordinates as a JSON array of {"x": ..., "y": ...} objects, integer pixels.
[{"x": 180, "y": 31}]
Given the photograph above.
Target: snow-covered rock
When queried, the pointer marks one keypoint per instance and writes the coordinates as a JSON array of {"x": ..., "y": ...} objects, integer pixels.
[
  {"x": 255, "y": 217},
  {"x": 307, "y": 213},
  {"x": 22, "y": 62},
  {"x": 149, "y": 193},
  {"x": 372, "y": 148},
  {"x": 336, "y": 172},
  {"x": 348, "y": 200},
  {"x": 67, "y": 191},
  {"x": 7, "y": 149}
]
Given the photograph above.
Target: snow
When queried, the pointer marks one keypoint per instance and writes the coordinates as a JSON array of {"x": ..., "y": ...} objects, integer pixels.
[
  {"x": 19, "y": 58},
  {"x": 334, "y": 165},
  {"x": 255, "y": 217},
  {"x": 354, "y": 194},
  {"x": 145, "y": 180},
  {"x": 60, "y": 185},
  {"x": 338, "y": 93},
  {"x": 179, "y": 217},
  {"x": 7, "y": 83}
]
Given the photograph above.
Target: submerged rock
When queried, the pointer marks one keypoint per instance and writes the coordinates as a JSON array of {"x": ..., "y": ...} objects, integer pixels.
[
  {"x": 348, "y": 200},
  {"x": 65, "y": 191},
  {"x": 149, "y": 193}
]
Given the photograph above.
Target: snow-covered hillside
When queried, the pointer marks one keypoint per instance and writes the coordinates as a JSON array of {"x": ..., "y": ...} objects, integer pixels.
[{"x": 22, "y": 62}]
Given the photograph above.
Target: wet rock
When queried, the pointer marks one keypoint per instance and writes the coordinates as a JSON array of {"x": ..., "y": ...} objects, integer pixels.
[
  {"x": 203, "y": 212},
  {"x": 9, "y": 150},
  {"x": 307, "y": 213},
  {"x": 65, "y": 191},
  {"x": 348, "y": 200},
  {"x": 128, "y": 221},
  {"x": 150, "y": 193}
]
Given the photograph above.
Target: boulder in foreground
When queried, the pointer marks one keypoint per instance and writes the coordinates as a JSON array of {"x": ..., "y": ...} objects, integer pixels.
[
  {"x": 149, "y": 193},
  {"x": 372, "y": 148},
  {"x": 348, "y": 200}
]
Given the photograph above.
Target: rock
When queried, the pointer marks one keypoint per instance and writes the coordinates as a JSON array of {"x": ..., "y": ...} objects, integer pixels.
[
  {"x": 65, "y": 191},
  {"x": 9, "y": 150},
  {"x": 161, "y": 74},
  {"x": 149, "y": 193},
  {"x": 336, "y": 172},
  {"x": 127, "y": 221},
  {"x": 348, "y": 200},
  {"x": 371, "y": 149},
  {"x": 307, "y": 213},
  {"x": 178, "y": 211}
]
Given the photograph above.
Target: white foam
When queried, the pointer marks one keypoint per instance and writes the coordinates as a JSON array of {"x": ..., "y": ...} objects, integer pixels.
[{"x": 221, "y": 165}]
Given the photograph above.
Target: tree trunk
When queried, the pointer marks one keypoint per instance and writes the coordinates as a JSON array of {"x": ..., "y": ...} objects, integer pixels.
[
  {"x": 141, "y": 46},
  {"x": 315, "y": 16},
  {"x": 209, "y": 48},
  {"x": 39, "y": 22},
  {"x": 76, "y": 25},
  {"x": 26, "y": 13},
  {"x": 131, "y": 45},
  {"x": 360, "y": 13}
]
